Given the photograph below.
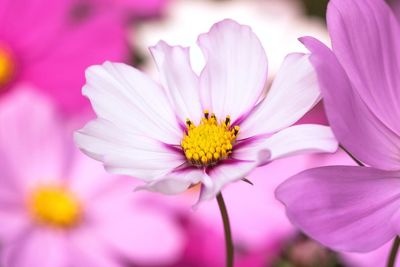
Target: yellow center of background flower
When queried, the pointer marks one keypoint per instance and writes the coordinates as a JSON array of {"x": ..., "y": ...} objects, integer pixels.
[
  {"x": 210, "y": 141},
  {"x": 54, "y": 206},
  {"x": 7, "y": 66}
]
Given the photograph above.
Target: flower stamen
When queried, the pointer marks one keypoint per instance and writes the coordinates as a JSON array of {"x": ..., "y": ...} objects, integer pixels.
[
  {"x": 7, "y": 66},
  {"x": 54, "y": 206},
  {"x": 210, "y": 141}
]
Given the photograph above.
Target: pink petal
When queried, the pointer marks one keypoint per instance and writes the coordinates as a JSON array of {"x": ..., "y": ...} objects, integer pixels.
[
  {"x": 40, "y": 247},
  {"x": 179, "y": 80},
  {"x": 87, "y": 179},
  {"x": 353, "y": 123},
  {"x": 366, "y": 40},
  {"x": 135, "y": 230},
  {"x": 124, "y": 152},
  {"x": 131, "y": 101},
  {"x": 14, "y": 219},
  {"x": 32, "y": 144},
  {"x": 257, "y": 217},
  {"x": 376, "y": 258},
  {"x": 234, "y": 76},
  {"x": 87, "y": 248},
  {"x": 345, "y": 208},
  {"x": 294, "y": 91}
]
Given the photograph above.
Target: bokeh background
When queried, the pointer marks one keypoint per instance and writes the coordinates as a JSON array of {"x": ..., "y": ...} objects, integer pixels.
[{"x": 45, "y": 46}]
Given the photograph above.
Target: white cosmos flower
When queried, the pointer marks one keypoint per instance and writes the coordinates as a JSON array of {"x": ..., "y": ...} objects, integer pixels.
[
  {"x": 211, "y": 129},
  {"x": 278, "y": 24}
]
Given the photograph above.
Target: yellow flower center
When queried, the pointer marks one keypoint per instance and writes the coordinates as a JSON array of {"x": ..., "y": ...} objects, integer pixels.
[
  {"x": 54, "y": 206},
  {"x": 210, "y": 141},
  {"x": 7, "y": 66}
]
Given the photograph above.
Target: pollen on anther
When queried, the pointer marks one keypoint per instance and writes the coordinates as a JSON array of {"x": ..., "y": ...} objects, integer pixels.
[{"x": 210, "y": 141}]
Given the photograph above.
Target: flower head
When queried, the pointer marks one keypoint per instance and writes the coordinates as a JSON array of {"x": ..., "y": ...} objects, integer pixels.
[
  {"x": 212, "y": 128},
  {"x": 58, "y": 208},
  {"x": 355, "y": 208}
]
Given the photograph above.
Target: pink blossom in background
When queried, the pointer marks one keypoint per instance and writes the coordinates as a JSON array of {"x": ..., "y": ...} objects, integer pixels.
[
  {"x": 259, "y": 225},
  {"x": 40, "y": 43},
  {"x": 59, "y": 209},
  {"x": 142, "y": 128},
  {"x": 355, "y": 208}
]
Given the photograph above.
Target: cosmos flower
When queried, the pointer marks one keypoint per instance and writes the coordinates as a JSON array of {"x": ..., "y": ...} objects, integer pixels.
[
  {"x": 211, "y": 129},
  {"x": 355, "y": 208},
  {"x": 278, "y": 24},
  {"x": 42, "y": 44},
  {"x": 58, "y": 208}
]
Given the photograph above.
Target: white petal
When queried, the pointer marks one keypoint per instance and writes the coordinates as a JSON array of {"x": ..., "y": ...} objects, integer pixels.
[
  {"x": 234, "y": 76},
  {"x": 294, "y": 92},
  {"x": 132, "y": 101},
  {"x": 125, "y": 152},
  {"x": 179, "y": 80},
  {"x": 298, "y": 139},
  {"x": 175, "y": 182},
  {"x": 223, "y": 174}
]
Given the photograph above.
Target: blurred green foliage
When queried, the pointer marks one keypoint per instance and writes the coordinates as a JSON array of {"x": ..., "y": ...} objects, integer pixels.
[
  {"x": 300, "y": 251},
  {"x": 316, "y": 7}
]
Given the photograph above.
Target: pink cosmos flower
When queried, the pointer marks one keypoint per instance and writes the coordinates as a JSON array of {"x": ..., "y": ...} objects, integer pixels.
[
  {"x": 355, "y": 208},
  {"x": 41, "y": 44},
  {"x": 212, "y": 129},
  {"x": 59, "y": 209}
]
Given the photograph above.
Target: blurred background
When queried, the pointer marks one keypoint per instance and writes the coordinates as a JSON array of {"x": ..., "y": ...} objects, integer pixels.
[{"x": 45, "y": 47}]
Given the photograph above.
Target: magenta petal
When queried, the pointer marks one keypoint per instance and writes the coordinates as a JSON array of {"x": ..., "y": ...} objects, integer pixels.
[
  {"x": 77, "y": 48},
  {"x": 366, "y": 40},
  {"x": 40, "y": 27},
  {"x": 352, "y": 122},
  {"x": 345, "y": 208}
]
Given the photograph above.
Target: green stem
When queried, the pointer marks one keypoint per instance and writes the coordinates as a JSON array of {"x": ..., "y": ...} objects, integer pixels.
[
  {"x": 393, "y": 252},
  {"x": 227, "y": 230}
]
